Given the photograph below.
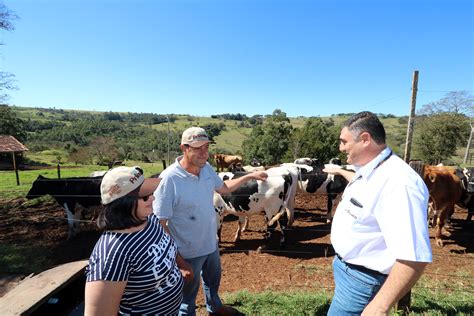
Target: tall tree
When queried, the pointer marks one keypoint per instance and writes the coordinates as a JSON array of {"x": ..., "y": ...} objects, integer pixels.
[
  {"x": 459, "y": 102},
  {"x": 438, "y": 135},
  {"x": 7, "y": 81},
  {"x": 10, "y": 124},
  {"x": 269, "y": 142},
  {"x": 317, "y": 139},
  {"x": 443, "y": 126}
]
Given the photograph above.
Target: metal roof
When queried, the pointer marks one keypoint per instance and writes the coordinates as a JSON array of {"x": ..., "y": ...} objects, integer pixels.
[{"x": 10, "y": 144}]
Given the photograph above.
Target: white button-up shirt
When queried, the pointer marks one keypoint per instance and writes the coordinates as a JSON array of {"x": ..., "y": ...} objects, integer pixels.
[{"x": 382, "y": 216}]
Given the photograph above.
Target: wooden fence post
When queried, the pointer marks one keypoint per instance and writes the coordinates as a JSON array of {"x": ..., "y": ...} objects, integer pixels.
[{"x": 16, "y": 169}]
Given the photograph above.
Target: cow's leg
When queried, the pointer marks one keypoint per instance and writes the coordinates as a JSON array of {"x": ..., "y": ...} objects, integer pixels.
[
  {"x": 219, "y": 222},
  {"x": 71, "y": 221},
  {"x": 470, "y": 212},
  {"x": 439, "y": 226},
  {"x": 447, "y": 224},
  {"x": 246, "y": 224},
  {"x": 239, "y": 228},
  {"x": 331, "y": 196},
  {"x": 432, "y": 215},
  {"x": 283, "y": 222},
  {"x": 290, "y": 209},
  {"x": 269, "y": 231},
  {"x": 280, "y": 219}
]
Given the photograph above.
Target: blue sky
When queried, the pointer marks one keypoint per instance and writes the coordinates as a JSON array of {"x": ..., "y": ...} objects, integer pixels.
[{"x": 308, "y": 58}]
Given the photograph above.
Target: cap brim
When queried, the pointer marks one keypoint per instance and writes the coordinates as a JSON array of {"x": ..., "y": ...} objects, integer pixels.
[{"x": 199, "y": 143}]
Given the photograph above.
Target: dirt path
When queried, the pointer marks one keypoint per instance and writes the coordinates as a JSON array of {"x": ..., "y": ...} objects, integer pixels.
[{"x": 303, "y": 264}]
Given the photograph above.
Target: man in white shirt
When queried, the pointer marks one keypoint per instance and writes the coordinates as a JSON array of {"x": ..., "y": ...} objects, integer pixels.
[{"x": 380, "y": 232}]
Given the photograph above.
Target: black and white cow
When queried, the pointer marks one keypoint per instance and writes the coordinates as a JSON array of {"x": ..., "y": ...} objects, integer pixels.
[
  {"x": 68, "y": 192},
  {"x": 467, "y": 197},
  {"x": 271, "y": 197},
  {"x": 312, "y": 180},
  {"x": 307, "y": 161}
]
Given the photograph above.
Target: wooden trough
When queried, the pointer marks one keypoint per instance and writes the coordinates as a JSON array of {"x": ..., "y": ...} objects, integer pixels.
[{"x": 35, "y": 291}]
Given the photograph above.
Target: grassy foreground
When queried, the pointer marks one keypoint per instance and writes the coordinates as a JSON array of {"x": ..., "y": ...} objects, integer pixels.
[{"x": 424, "y": 301}]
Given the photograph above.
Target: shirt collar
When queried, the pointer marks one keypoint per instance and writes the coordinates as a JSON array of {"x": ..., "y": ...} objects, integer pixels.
[
  {"x": 183, "y": 171},
  {"x": 366, "y": 170},
  {"x": 180, "y": 168}
]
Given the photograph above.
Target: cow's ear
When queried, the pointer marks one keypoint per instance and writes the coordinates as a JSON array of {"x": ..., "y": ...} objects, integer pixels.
[{"x": 40, "y": 177}]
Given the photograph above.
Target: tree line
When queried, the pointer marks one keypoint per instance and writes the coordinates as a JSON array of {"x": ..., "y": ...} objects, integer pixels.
[{"x": 440, "y": 128}]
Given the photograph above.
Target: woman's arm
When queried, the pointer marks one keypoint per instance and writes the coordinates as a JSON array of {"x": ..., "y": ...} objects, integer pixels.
[
  {"x": 185, "y": 268},
  {"x": 182, "y": 264},
  {"x": 103, "y": 297}
]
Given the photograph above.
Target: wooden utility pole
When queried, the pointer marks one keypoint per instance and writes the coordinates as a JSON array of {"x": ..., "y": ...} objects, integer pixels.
[
  {"x": 411, "y": 119},
  {"x": 405, "y": 302},
  {"x": 16, "y": 169},
  {"x": 468, "y": 144}
]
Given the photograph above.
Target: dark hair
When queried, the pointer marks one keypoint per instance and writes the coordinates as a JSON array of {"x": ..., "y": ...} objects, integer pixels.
[
  {"x": 366, "y": 122},
  {"x": 120, "y": 214}
]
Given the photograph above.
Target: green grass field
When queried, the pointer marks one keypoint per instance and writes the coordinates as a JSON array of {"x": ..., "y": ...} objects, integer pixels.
[
  {"x": 9, "y": 188},
  {"x": 453, "y": 300}
]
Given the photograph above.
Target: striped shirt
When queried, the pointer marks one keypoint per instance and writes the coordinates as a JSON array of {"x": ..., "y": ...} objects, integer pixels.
[{"x": 147, "y": 261}]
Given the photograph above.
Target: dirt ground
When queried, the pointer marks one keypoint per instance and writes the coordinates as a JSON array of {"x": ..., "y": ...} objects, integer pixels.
[{"x": 303, "y": 264}]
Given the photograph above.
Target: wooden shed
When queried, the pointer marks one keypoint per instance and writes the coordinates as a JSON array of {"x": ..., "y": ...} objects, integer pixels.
[{"x": 9, "y": 144}]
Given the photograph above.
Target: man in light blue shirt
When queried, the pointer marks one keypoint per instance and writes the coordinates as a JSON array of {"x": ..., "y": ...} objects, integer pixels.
[{"x": 184, "y": 204}]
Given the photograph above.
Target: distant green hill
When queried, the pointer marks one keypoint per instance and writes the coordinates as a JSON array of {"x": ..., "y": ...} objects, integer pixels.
[{"x": 147, "y": 134}]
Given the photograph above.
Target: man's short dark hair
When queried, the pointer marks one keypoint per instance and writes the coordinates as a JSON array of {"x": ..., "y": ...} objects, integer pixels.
[
  {"x": 366, "y": 122},
  {"x": 120, "y": 214}
]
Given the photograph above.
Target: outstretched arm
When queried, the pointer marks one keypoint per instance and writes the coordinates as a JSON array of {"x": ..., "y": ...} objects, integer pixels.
[
  {"x": 233, "y": 184},
  {"x": 347, "y": 174},
  {"x": 149, "y": 185}
]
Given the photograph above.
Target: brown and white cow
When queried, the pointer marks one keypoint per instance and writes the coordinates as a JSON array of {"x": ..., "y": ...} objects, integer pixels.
[
  {"x": 270, "y": 197},
  {"x": 445, "y": 188},
  {"x": 225, "y": 161}
]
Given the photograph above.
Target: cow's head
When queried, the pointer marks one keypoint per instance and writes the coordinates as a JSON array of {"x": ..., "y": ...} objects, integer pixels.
[
  {"x": 308, "y": 161},
  {"x": 255, "y": 162},
  {"x": 38, "y": 188},
  {"x": 335, "y": 161}
]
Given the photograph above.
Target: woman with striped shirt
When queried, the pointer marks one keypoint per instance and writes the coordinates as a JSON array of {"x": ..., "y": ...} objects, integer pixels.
[{"x": 132, "y": 269}]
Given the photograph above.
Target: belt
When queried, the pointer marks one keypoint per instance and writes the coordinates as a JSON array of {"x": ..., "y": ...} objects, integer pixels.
[{"x": 361, "y": 268}]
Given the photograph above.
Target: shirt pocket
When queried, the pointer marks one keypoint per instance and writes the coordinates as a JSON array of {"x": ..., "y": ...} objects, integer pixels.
[{"x": 354, "y": 209}]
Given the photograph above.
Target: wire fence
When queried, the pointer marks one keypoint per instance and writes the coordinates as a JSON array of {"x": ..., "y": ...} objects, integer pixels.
[{"x": 466, "y": 278}]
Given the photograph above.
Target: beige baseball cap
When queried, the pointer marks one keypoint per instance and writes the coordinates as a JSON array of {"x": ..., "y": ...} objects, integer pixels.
[
  {"x": 195, "y": 137},
  {"x": 122, "y": 181}
]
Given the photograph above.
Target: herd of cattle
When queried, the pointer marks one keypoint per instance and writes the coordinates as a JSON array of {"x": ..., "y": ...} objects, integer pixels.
[{"x": 275, "y": 198}]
